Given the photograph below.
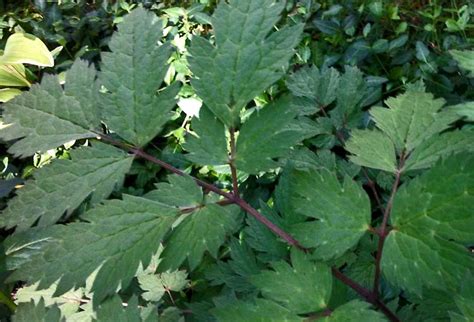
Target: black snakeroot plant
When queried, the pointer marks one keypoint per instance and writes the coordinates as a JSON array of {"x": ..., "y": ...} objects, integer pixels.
[{"x": 318, "y": 208}]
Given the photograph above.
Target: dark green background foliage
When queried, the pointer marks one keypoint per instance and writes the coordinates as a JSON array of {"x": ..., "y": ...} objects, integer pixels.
[{"x": 329, "y": 131}]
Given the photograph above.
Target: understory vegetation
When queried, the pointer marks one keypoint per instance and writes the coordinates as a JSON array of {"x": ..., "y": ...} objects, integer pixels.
[{"x": 239, "y": 160}]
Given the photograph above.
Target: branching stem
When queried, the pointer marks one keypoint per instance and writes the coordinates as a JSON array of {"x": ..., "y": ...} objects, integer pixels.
[
  {"x": 368, "y": 295},
  {"x": 229, "y": 196}
]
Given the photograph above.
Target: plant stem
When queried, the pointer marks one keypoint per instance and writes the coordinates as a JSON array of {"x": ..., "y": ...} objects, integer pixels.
[
  {"x": 366, "y": 294},
  {"x": 274, "y": 228},
  {"x": 233, "y": 170},
  {"x": 383, "y": 233},
  {"x": 235, "y": 199}
]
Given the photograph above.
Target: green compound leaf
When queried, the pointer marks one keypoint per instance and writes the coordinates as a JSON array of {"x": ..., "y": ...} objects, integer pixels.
[
  {"x": 132, "y": 74},
  {"x": 354, "y": 311},
  {"x": 465, "y": 59},
  {"x": 270, "y": 133},
  {"x": 259, "y": 311},
  {"x": 60, "y": 187},
  {"x": 309, "y": 284},
  {"x": 48, "y": 116},
  {"x": 432, "y": 221},
  {"x": 411, "y": 119},
  {"x": 372, "y": 149},
  {"x": 203, "y": 230},
  {"x": 210, "y": 145},
  {"x": 438, "y": 146},
  {"x": 318, "y": 85},
  {"x": 342, "y": 211},
  {"x": 120, "y": 236},
  {"x": 410, "y": 126},
  {"x": 32, "y": 312},
  {"x": 246, "y": 58}
]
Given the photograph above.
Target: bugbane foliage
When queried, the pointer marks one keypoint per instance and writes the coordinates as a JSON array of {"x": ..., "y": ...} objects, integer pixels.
[{"x": 348, "y": 177}]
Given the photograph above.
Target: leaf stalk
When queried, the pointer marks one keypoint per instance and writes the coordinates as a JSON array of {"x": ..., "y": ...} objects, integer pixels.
[{"x": 383, "y": 230}]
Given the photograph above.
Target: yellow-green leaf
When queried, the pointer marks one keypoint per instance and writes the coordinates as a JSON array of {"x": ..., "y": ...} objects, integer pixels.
[
  {"x": 23, "y": 48},
  {"x": 7, "y": 94},
  {"x": 13, "y": 75}
]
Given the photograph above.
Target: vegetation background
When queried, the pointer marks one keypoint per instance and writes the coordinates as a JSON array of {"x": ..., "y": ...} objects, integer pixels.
[{"x": 395, "y": 44}]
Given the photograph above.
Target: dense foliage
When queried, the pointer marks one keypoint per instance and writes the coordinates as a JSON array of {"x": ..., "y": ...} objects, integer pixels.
[{"x": 251, "y": 160}]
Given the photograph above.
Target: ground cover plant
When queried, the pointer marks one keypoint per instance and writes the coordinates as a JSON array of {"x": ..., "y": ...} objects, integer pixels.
[{"x": 302, "y": 194}]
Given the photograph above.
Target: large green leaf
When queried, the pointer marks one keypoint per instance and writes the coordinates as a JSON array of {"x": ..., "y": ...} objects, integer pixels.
[
  {"x": 120, "y": 236},
  {"x": 342, "y": 211},
  {"x": 48, "y": 116},
  {"x": 62, "y": 186},
  {"x": 431, "y": 222},
  {"x": 23, "y": 48},
  {"x": 309, "y": 284},
  {"x": 465, "y": 59},
  {"x": 132, "y": 74},
  {"x": 270, "y": 133},
  {"x": 210, "y": 147},
  {"x": 246, "y": 57}
]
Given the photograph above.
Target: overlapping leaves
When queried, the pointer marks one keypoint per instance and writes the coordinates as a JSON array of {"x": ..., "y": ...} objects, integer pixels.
[
  {"x": 310, "y": 286},
  {"x": 203, "y": 228},
  {"x": 120, "y": 235}
]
